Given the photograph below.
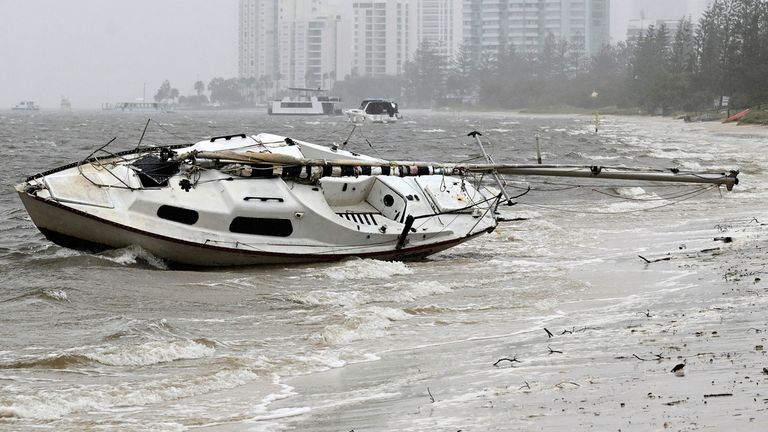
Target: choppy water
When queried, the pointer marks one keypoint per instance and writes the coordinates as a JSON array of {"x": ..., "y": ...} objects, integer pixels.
[{"x": 116, "y": 341}]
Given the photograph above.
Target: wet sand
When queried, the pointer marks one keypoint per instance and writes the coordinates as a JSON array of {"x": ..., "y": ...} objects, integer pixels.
[
  {"x": 702, "y": 303},
  {"x": 735, "y": 128}
]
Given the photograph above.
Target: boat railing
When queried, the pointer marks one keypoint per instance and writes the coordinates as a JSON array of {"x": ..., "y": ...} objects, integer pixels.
[{"x": 96, "y": 161}]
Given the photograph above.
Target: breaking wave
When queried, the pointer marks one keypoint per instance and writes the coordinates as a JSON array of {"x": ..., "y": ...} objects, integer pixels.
[
  {"x": 367, "y": 269},
  {"x": 363, "y": 324},
  {"x": 57, "y": 403},
  {"x": 132, "y": 255},
  {"x": 148, "y": 353}
]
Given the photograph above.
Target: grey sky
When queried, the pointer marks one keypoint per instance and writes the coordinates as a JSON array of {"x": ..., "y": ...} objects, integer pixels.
[{"x": 96, "y": 51}]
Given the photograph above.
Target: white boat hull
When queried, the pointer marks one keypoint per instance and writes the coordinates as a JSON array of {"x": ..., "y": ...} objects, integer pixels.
[
  {"x": 78, "y": 230},
  {"x": 222, "y": 220},
  {"x": 359, "y": 116}
]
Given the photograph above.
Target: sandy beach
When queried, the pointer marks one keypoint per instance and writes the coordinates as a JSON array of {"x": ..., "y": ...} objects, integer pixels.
[
  {"x": 735, "y": 128},
  {"x": 700, "y": 304}
]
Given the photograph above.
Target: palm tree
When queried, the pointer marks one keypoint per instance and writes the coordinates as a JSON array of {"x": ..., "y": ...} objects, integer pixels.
[{"x": 199, "y": 87}]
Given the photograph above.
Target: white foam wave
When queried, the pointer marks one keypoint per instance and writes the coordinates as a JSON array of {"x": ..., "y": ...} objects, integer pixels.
[
  {"x": 635, "y": 193},
  {"x": 367, "y": 269},
  {"x": 414, "y": 291},
  {"x": 357, "y": 297},
  {"x": 54, "y": 404},
  {"x": 132, "y": 254},
  {"x": 363, "y": 324},
  {"x": 59, "y": 295},
  {"x": 432, "y": 130},
  {"x": 150, "y": 353}
]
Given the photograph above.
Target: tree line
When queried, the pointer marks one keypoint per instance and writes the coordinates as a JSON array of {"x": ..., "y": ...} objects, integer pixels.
[{"x": 689, "y": 68}]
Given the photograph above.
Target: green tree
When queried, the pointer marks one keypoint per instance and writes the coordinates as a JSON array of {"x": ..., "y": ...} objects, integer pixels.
[
  {"x": 683, "y": 67},
  {"x": 226, "y": 91},
  {"x": 424, "y": 76},
  {"x": 164, "y": 92},
  {"x": 199, "y": 87},
  {"x": 459, "y": 79}
]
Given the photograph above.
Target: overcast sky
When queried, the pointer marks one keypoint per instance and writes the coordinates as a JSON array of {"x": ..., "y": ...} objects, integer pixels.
[{"x": 96, "y": 51}]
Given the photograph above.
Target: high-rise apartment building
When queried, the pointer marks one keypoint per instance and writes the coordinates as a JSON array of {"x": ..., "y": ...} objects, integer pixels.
[
  {"x": 383, "y": 36},
  {"x": 440, "y": 22},
  {"x": 490, "y": 25},
  {"x": 646, "y": 13},
  {"x": 306, "y": 43},
  {"x": 258, "y": 38},
  {"x": 293, "y": 42}
]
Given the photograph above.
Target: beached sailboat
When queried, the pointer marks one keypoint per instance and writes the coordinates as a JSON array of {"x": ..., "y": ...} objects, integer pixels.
[{"x": 266, "y": 199}]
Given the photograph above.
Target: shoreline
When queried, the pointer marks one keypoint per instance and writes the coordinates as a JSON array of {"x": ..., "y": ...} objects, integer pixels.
[
  {"x": 704, "y": 308},
  {"x": 735, "y": 128}
]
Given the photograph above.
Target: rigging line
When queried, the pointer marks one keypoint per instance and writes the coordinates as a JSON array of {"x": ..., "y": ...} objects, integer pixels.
[
  {"x": 408, "y": 140},
  {"x": 334, "y": 132},
  {"x": 603, "y": 185},
  {"x": 616, "y": 212},
  {"x": 185, "y": 140},
  {"x": 658, "y": 198}
]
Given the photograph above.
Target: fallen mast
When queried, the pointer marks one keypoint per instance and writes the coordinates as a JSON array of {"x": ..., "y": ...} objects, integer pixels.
[{"x": 312, "y": 169}]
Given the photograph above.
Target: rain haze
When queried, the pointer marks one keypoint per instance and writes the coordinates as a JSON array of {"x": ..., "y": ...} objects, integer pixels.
[{"x": 94, "y": 52}]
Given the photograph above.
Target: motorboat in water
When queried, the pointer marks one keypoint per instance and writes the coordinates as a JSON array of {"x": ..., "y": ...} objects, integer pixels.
[
  {"x": 374, "y": 111},
  {"x": 139, "y": 107},
  {"x": 66, "y": 105},
  {"x": 268, "y": 199},
  {"x": 306, "y": 101},
  {"x": 26, "y": 106}
]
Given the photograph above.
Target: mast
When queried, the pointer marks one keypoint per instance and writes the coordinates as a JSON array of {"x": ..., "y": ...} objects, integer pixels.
[{"x": 290, "y": 166}]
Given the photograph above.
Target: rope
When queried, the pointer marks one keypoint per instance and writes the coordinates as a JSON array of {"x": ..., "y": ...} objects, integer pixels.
[
  {"x": 659, "y": 198},
  {"x": 619, "y": 212}
]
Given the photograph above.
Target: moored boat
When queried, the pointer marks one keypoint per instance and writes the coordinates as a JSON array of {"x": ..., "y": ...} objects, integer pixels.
[
  {"x": 140, "y": 107},
  {"x": 306, "y": 101},
  {"x": 26, "y": 106},
  {"x": 374, "y": 111}
]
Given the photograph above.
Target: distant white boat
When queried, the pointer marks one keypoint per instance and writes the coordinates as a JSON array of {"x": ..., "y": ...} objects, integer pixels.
[
  {"x": 374, "y": 111},
  {"x": 306, "y": 102},
  {"x": 138, "y": 107},
  {"x": 66, "y": 105},
  {"x": 26, "y": 106}
]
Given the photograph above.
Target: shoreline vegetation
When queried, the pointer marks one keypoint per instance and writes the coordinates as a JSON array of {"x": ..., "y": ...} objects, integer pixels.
[{"x": 699, "y": 71}]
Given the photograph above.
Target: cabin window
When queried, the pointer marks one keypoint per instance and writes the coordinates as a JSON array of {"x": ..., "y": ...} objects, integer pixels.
[
  {"x": 178, "y": 214},
  {"x": 261, "y": 226},
  {"x": 295, "y": 104}
]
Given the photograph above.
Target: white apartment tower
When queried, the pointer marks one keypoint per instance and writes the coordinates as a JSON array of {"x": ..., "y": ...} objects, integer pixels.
[
  {"x": 490, "y": 25},
  {"x": 306, "y": 43},
  {"x": 440, "y": 22},
  {"x": 293, "y": 42},
  {"x": 383, "y": 36},
  {"x": 257, "y": 38}
]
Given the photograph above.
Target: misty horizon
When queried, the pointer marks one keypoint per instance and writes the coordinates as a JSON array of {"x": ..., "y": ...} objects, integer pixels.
[{"x": 94, "y": 52}]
